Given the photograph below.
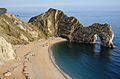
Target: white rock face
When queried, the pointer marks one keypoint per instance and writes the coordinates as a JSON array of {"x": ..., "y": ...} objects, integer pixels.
[
  {"x": 6, "y": 51},
  {"x": 24, "y": 37},
  {"x": 7, "y": 74}
]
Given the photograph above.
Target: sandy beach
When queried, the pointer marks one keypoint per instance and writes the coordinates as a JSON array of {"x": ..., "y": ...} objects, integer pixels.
[{"x": 33, "y": 61}]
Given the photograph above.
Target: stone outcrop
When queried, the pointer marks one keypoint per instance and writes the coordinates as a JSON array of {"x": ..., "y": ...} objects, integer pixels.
[
  {"x": 6, "y": 51},
  {"x": 3, "y": 10},
  {"x": 16, "y": 31},
  {"x": 89, "y": 34},
  {"x": 13, "y": 31},
  {"x": 55, "y": 23}
]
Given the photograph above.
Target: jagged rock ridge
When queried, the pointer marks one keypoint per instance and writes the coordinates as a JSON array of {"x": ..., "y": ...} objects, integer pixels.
[{"x": 55, "y": 23}]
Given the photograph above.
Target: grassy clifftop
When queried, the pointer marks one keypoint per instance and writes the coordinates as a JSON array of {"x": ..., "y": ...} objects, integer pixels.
[{"x": 16, "y": 31}]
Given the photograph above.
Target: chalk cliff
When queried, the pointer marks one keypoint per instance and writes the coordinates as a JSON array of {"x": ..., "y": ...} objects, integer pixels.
[
  {"x": 55, "y": 23},
  {"x": 6, "y": 51},
  {"x": 13, "y": 31}
]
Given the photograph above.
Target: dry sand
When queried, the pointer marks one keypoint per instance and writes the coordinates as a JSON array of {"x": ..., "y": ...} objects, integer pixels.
[{"x": 33, "y": 61}]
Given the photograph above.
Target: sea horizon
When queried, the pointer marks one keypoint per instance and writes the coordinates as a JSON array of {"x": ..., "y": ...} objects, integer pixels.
[
  {"x": 101, "y": 56},
  {"x": 80, "y": 60}
]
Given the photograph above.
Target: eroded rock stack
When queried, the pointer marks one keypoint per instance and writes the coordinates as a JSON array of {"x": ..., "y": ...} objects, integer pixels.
[{"x": 55, "y": 23}]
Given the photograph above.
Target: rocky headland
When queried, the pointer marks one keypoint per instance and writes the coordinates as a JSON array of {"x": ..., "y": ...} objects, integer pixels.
[
  {"x": 55, "y": 23},
  {"x": 24, "y": 46}
]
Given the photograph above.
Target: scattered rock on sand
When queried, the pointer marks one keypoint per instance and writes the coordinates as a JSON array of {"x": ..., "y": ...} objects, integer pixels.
[{"x": 7, "y": 74}]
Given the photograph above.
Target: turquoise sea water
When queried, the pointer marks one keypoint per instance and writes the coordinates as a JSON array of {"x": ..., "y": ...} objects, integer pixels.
[{"x": 86, "y": 61}]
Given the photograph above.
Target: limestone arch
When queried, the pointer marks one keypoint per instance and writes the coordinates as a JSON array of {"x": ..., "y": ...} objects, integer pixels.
[{"x": 105, "y": 33}]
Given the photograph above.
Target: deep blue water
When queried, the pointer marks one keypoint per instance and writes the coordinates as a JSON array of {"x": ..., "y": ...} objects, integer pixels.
[{"x": 85, "y": 61}]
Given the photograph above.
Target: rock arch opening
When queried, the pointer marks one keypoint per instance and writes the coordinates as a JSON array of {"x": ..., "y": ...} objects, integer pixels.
[{"x": 98, "y": 40}]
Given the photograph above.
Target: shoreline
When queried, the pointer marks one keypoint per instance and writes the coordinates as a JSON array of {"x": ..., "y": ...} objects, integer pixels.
[
  {"x": 54, "y": 63},
  {"x": 34, "y": 61}
]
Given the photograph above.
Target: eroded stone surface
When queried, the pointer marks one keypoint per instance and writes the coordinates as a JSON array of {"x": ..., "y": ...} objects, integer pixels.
[
  {"x": 55, "y": 23},
  {"x": 16, "y": 31},
  {"x": 6, "y": 51},
  {"x": 88, "y": 34},
  {"x": 3, "y": 10}
]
